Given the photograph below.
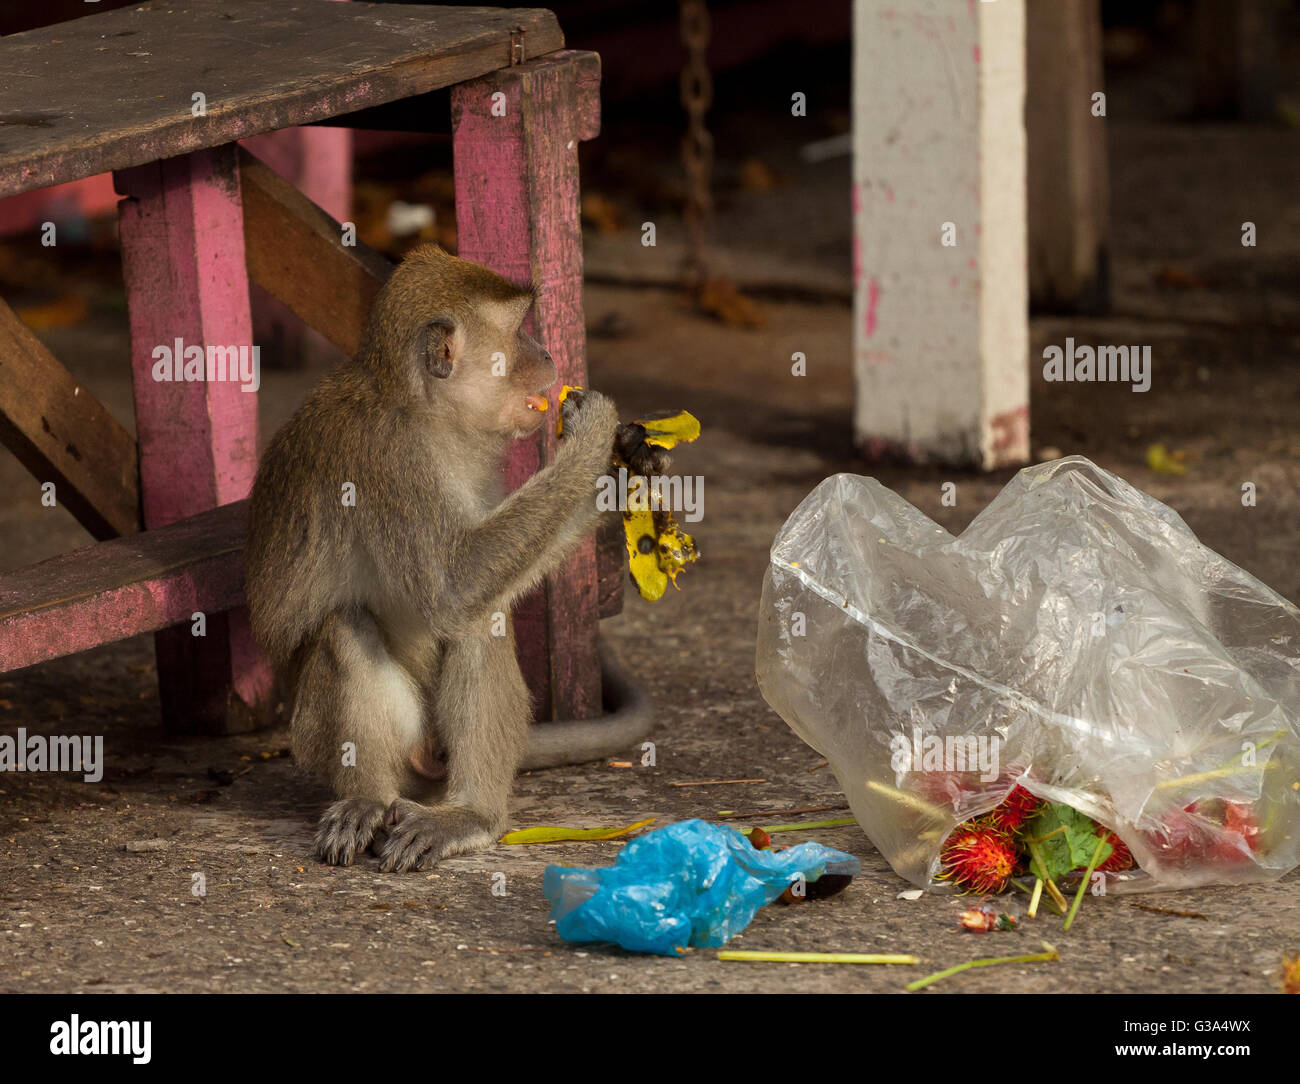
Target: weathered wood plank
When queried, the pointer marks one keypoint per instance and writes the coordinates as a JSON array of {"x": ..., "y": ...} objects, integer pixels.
[
  {"x": 318, "y": 161},
  {"x": 1237, "y": 58},
  {"x": 941, "y": 335},
  {"x": 63, "y": 434},
  {"x": 1068, "y": 187},
  {"x": 155, "y": 579},
  {"x": 121, "y": 588},
  {"x": 611, "y": 567},
  {"x": 115, "y": 88},
  {"x": 183, "y": 258},
  {"x": 296, "y": 253},
  {"x": 517, "y": 212}
]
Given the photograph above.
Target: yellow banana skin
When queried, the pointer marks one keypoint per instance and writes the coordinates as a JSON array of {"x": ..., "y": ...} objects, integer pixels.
[{"x": 657, "y": 548}]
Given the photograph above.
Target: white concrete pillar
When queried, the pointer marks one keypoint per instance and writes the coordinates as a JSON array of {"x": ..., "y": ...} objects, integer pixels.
[{"x": 940, "y": 282}]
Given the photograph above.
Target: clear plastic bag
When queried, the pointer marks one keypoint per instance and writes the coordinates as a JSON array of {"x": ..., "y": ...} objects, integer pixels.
[
  {"x": 1076, "y": 638},
  {"x": 686, "y": 884}
]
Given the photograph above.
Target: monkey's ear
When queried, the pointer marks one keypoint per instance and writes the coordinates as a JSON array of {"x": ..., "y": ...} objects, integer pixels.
[{"x": 438, "y": 347}]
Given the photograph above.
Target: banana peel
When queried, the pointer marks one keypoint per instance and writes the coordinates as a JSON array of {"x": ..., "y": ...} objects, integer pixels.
[
  {"x": 666, "y": 430},
  {"x": 657, "y": 548},
  {"x": 559, "y": 408}
]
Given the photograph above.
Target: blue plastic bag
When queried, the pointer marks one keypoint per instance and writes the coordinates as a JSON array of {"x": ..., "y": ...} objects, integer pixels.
[{"x": 690, "y": 883}]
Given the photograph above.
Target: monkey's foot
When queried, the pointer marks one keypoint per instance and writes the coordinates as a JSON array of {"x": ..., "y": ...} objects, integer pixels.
[
  {"x": 419, "y": 835},
  {"x": 347, "y": 828}
]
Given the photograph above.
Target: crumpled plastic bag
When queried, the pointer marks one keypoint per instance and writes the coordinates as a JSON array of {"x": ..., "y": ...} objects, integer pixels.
[
  {"x": 1076, "y": 638},
  {"x": 690, "y": 883}
]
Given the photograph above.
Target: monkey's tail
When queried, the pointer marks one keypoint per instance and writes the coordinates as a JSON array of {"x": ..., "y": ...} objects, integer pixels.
[{"x": 627, "y": 720}]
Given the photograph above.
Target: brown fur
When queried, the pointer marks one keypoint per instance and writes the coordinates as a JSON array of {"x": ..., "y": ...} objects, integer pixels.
[{"x": 379, "y": 616}]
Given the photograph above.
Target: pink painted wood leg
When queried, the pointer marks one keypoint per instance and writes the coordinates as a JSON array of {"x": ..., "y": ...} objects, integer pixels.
[
  {"x": 515, "y": 150},
  {"x": 183, "y": 260}
]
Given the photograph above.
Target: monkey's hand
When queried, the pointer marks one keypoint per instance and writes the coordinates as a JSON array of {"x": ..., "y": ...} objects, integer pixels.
[
  {"x": 346, "y": 828},
  {"x": 590, "y": 425},
  {"x": 419, "y": 835},
  {"x": 529, "y": 534},
  {"x": 641, "y": 457}
]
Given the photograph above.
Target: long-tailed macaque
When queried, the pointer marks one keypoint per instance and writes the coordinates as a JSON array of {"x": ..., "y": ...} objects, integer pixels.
[{"x": 382, "y": 557}]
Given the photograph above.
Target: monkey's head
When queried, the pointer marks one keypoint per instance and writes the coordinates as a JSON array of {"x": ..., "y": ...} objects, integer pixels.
[{"x": 447, "y": 334}]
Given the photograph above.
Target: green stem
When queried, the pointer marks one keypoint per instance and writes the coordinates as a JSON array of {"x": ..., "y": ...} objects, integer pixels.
[
  {"x": 1053, "y": 893},
  {"x": 839, "y": 822},
  {"x": 918, "y": 804},
  {"x": 1057, "y": 897},
  {"x": 1087, "y": 876},
  {"x": 1038, "y": 957},
  {"x": 1229, "y": 767}
]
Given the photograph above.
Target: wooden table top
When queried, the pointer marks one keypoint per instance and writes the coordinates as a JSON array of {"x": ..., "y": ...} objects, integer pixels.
[{"x": 113, "y": 90}]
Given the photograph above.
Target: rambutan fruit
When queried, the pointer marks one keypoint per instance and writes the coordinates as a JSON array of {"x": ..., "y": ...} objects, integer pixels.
[
  {"x": 978, "y": 857},
  {"x": 1017, "y": 808},
  {"x": 1240, "y": 818},
  {"x": 953, "y": 789},
  {"x": 1121, "y": 858},
  {"x": 1207, "y": 832}
]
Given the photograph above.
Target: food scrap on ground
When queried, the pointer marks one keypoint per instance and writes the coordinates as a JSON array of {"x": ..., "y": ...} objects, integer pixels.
[
  {"x": 733, "y": 815},
  {"x": 548, "y": 834},
  {"x": 1291, "y": 974},
  {"x": 1048, "y": 954},
  {"x": 1169, "y": 911},
  {"x": 798, "y": 826},
  {"x": 986, "y": 917},
  {"x": 817, "y": 957}
]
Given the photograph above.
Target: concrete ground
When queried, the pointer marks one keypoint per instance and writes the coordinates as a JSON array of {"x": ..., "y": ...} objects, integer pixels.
[{"x": 79, "y": 912}]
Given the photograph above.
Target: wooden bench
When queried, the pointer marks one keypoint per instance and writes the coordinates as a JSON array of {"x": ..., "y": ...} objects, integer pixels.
[{"x": 201, "y": 218}]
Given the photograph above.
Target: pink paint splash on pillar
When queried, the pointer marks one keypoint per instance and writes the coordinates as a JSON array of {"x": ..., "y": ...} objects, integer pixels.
[{"x": 873, "y": 299}]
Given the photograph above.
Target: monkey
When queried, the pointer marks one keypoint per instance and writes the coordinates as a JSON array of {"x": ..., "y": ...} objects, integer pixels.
[{"x": 383, "y": 555}]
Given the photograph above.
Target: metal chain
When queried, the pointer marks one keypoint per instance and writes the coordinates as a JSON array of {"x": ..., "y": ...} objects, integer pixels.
[{"x": 697, "y": 144}]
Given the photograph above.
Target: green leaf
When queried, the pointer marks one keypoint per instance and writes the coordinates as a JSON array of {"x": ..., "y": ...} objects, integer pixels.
[{"x": 1072, "y": 845}]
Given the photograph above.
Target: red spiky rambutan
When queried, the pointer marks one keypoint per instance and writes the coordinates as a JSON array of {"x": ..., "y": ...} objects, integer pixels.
[
  {"x": 1240, "y": 818},
  {"x": 978, "y": 857},
  {"x": 953, "y": 789},
  {"x": 1016, "y": 808},
  {"x": 1179, "y": 838},
  {"x": 1208, "y": 832},
  {"x": 1121, "y": 858}
]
